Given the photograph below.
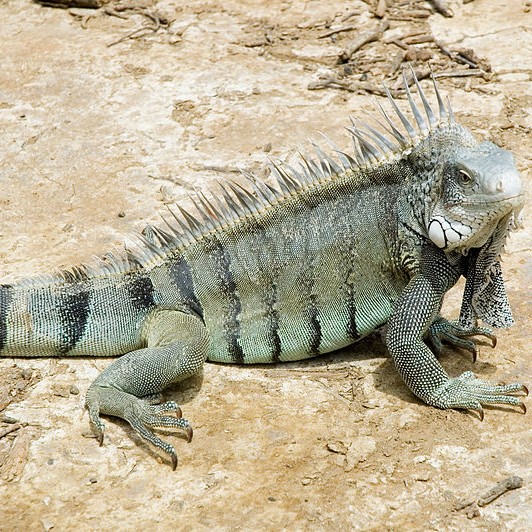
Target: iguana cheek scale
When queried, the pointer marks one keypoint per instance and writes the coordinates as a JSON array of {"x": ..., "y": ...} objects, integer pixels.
[
  {"x": 444, "y": 232},
  {"x": 263, "y": 274}
]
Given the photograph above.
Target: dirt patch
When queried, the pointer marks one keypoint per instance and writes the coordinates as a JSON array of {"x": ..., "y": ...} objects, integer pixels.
[{"x": 97, "y": 138}]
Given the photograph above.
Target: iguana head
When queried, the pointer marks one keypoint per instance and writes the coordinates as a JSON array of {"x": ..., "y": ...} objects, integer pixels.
[
  {"x": 460, "y": 189},
  {"x": 479, "y": 185}
]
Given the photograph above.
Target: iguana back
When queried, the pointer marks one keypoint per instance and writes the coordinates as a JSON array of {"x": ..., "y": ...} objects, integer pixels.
[{"x": 301, "y": 279}]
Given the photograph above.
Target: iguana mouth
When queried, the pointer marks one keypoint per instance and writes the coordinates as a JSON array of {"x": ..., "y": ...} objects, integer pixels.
[
  {"x": 509, "y": 198},
  {"x": 490, "y": 201}
]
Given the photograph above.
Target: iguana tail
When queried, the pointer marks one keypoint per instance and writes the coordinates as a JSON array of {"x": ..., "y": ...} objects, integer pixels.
[{"x": 59, "y": 317}]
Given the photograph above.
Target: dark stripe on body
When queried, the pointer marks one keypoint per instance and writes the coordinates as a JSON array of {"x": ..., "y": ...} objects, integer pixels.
[
  {"x": 182, "y": 279},
  {"x": 316, "y": 335},
  {"x": 311, "y": 311},
  {"x": 349, "y": 253},
  {"x": 140, "y": 288},
  {"x": 5, "y": 302},
  {"x": 273, "y": 321},
  {"x": 74, "y": 311},
  {"x": 234, "y": 306},
  {"x": 352, "y": 330}
]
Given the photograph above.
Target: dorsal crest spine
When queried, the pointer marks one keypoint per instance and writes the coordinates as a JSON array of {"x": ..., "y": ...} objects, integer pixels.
[{"x": 236, "y": 203}]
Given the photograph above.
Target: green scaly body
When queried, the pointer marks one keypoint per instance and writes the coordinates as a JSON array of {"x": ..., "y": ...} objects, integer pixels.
[{"x": 262, "y": 298}]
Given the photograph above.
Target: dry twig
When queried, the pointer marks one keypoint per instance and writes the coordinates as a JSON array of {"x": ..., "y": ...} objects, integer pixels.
[
  {"x": 510, "y": 483},
  {"x": 420, "y": 74},
  {"x": 419, "y": 39},
  {"x": 460, "y": 73},
  {"x": 8, "y": 430},
  {"x": 85, "y": 4},
  {"x": 337, "y": 30},
  {"x": 363, "y": 38},
  {"x": 357, "y": 86},
  {"x": 152, "y": 26}
]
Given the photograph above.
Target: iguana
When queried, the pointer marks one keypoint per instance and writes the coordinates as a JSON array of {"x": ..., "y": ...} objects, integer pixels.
[{"x": 267, "y": 273}]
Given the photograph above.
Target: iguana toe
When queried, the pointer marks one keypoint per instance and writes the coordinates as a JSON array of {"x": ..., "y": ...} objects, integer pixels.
[
  {"x": 96, "y": 424},
  {"x": 156, "y": 400},
  {"x": 469, "y": 392},
  {"x": 143, "y": 417},
  {"x": 167, "y": 408},
  {"x": 98, "y": 432}
]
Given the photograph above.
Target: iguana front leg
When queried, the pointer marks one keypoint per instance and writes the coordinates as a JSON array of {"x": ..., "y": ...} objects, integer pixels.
[
  {"x": 176, "y": 349},
  {"x": 414, "y": 312}
]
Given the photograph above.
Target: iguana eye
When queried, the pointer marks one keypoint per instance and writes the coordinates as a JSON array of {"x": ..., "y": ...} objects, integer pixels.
[{"x": 464, "y": 177}]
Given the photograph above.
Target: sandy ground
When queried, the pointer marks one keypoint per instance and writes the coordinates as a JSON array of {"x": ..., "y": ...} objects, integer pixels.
[{"x": 95, "y": 139}]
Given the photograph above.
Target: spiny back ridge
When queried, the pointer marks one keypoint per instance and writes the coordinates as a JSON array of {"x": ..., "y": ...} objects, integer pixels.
[{"x": 371, "y": 148}]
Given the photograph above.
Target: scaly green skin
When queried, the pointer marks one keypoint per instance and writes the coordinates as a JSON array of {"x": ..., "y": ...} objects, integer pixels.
[{"x": 304, "y": 271}]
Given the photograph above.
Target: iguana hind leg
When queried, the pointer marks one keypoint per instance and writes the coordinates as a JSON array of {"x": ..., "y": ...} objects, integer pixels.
[{"x": 176, "y": 349}]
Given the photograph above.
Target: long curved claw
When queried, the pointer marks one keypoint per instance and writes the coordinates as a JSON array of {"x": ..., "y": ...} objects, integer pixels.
[
  {"x": 525, "y": 389},
  {"x": 484, "y": 331},
  {"x": 174, "y": 461},
  {"x": 480, "y": 411},
  {"x": 97, "y": 425},
  {"x": 173, "y": 456}
]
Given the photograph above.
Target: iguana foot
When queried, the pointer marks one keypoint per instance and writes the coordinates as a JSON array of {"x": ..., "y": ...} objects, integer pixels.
[
  {"x": 467, "y": 391},
  {"x": 139, "y": 413},
  {"x": 169, "y": 407},
  {"x": 453, "y": 333}
]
